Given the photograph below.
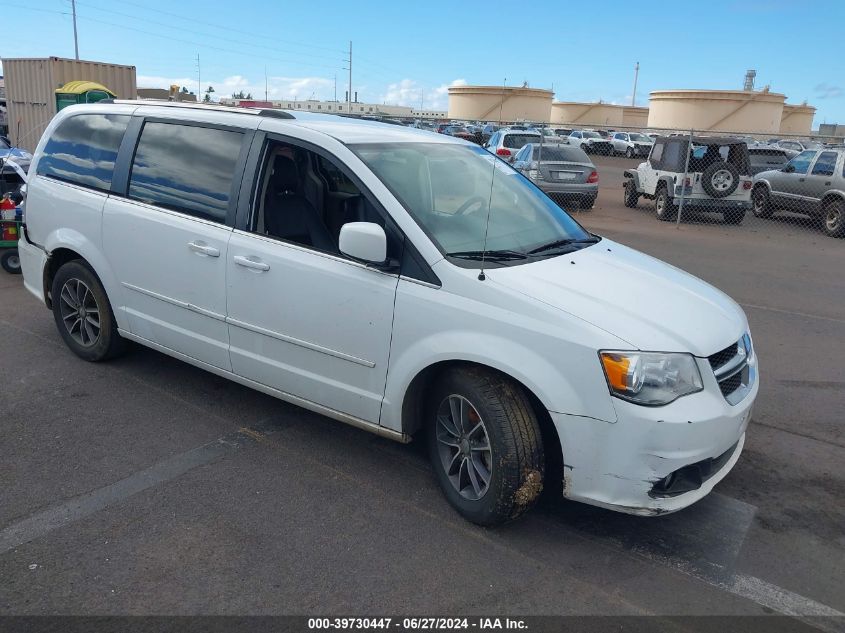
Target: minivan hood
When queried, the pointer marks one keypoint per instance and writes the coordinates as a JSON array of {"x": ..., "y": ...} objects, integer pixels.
[{"x": 642, "y": 300}]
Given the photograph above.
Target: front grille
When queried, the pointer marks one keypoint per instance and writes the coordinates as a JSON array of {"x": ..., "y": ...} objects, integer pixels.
[
  {"x": 732, "y": 372},
  {"x": 719, "y": 359},
  {"x": 729, "y": 385}
]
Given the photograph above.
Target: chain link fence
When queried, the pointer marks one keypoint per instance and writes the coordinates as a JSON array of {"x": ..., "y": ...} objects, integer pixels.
[{"x": 745, "y": 181}]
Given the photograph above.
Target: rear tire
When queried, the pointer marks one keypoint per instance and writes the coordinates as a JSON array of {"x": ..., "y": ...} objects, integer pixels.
[
  {"x": 761, "y": 202},
  {"x": 834, "y": 219},
  {"x": 11, "y": 261},
  {"x": 664, "y": 207},
  {"x": 631, "y": 196},
  {"x": 734, "y": 216},
  {"x": 498, "y": 439},
  {"x": 83, "y": 313}
]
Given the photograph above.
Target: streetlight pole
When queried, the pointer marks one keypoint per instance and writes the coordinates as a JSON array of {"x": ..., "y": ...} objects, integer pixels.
[
  {"x": 75, "y": 39},
  {"x": 636, "y": 76}
]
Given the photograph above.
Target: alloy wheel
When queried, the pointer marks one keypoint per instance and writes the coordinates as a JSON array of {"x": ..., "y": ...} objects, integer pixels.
[
  {"x": 464, "y": 447},
  {"x": 722, "y": 180},
  {"x": 833, "y": 218},
  {"x": 80, "y": 312}
]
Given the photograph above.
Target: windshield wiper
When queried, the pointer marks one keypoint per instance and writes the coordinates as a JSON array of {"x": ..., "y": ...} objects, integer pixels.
[
  {"x": 490, "y": 255},
  {"x": 563, "y": 242}
]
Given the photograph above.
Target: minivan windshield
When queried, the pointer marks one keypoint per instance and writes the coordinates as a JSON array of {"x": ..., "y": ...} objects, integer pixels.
[
  {"x": 641, "y": 138},
  {"x": 449, "y": 189}
]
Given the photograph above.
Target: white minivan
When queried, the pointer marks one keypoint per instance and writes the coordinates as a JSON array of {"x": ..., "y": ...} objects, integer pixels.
[{"x": 405, "y": 282}]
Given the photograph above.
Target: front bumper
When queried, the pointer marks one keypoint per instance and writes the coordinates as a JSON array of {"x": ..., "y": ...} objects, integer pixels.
[{"x": 623, "y": 465}]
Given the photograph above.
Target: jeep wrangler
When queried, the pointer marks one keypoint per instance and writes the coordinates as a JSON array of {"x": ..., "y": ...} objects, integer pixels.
[{"x": 718, "y": 177}]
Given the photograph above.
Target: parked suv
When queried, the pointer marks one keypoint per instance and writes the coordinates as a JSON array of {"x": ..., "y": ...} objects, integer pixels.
[
  {"x": 591, "y": 142},
  {"x": 812, "y": 183},
  {"x": 406, "y": 283},
  {"x": 631, "y": 144},
  {"x": 718, "y": 177},
  {"x": 507, "y": 142}
]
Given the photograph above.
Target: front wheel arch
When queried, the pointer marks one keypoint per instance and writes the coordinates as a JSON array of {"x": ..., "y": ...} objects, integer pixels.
[{"x": 413, "y": 415}]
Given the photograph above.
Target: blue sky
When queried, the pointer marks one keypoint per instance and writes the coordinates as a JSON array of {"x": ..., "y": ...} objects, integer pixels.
[{"x": 585, "y": 50}]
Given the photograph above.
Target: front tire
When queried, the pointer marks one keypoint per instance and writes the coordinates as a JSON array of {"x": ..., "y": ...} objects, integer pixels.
[
  {"x": 761, "y": 203},
  {"x": 83, "y": 313},
  {"x": 485, "y": 445},
  {"x": 629, "y": 153},
  {"x": 631, "y": 195}
]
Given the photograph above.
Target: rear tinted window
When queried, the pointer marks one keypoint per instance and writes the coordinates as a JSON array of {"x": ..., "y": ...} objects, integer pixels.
[
  {"x": 560, "y": 154},
  {"x": 82, "y": 150},
  {"x": 515, "y": 141},
  {"x": 185, "y": 168}
]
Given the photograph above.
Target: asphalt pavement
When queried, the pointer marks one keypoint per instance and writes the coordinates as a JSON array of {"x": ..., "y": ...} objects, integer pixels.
[{"x": 147, "y": 486}]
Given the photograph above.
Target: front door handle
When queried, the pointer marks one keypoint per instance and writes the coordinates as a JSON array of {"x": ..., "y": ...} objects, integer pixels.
[
  {"x": 200, "y": 247},
  {"x": 252, "y": 262},
  {"x": 801, "y": 180},
  {"x": 827, "y": 184}
]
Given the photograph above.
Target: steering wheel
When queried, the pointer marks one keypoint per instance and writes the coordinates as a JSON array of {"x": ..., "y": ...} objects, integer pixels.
[{"x": 475, "y": 200}]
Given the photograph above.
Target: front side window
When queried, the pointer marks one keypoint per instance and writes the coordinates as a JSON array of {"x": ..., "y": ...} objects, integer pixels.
[
  {"x": 83, "y": 148},
  {"x": 825, "y": 164},
  {"x": 305, "y": 198},
  {"x": 452, "y": 190},
  {"x": 185, "y": 168},
  {"x": 801, "y": 163}
]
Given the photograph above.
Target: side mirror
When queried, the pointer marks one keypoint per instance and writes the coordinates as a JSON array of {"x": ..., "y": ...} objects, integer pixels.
[
  {"x": 363, "y": 241},
  {"x": 788, "y": 168},
  {"x": 519, "y": 164}
]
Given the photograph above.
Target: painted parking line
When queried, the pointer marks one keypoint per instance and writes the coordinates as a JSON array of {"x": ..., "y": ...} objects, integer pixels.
[
  {"x": 84, "y": 505},
  {"x": 703, "y": 542}
]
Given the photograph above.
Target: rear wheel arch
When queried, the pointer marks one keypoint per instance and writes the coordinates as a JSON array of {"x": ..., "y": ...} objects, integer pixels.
[
  {"x": 55, "y": 260},
  {"x": 414, "y": 403}
]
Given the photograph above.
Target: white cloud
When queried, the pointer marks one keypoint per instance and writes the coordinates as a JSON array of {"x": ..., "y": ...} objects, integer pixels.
[
  {"x": 404, "y": 92},
  {"x": 277, "y": 87}
]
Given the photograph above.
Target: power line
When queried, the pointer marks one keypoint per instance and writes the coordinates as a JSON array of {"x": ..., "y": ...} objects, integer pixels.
[
  {"x": 193, "y": 20},
  {"x": 229, "y": 40}
]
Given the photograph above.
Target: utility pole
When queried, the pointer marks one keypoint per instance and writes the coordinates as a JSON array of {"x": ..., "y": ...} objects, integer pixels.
[
  {"x": 335, "y": 87},
  {"x": 199, "y": 78},
  {"x": 266, "y": 92},
  {"x": 349, "y": 96},
  {"x": 75, "y": 40},
  {"x": 636, "y": 76},
  {"x": 421, "y": 101}
]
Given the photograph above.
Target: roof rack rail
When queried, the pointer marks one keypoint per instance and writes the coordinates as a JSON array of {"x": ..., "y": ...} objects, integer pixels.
[{"x": 275, "y": 114}]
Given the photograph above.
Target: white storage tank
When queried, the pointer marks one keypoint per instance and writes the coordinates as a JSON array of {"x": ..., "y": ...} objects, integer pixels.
[
  {"x": 499, "y": 103},
  {"x": 716, "y": 110}
]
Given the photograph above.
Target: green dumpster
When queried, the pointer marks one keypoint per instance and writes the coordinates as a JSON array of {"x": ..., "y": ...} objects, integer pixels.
[{"x": 74, "y": 92}]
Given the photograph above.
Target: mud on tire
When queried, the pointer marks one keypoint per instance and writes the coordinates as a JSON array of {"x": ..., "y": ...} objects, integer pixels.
[{"x": 516, "y": 457}]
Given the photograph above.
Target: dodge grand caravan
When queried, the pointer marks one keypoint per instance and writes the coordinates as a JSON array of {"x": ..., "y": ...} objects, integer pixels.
[{"x": 407, "y": 283}]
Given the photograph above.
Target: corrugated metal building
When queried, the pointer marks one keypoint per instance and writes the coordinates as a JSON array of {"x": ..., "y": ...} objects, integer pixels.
[{"x": 31, "y": 90}]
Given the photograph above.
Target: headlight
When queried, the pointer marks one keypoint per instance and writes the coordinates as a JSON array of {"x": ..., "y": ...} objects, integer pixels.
[{"x": 650, "y": 378}]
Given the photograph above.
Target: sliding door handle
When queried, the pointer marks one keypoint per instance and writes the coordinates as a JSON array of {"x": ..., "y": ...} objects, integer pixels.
[{"x": 250, "y": 261}]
